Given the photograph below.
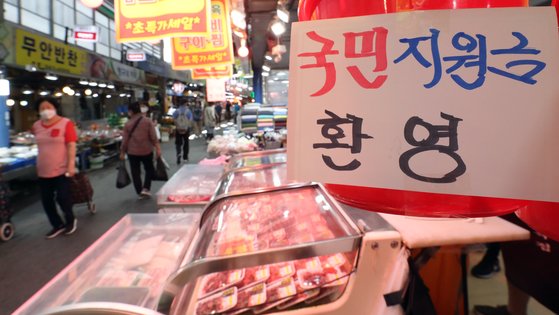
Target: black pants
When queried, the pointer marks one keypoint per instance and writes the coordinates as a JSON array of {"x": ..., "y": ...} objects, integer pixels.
[
  {"x": 57, "y": 188},
  {"x": 181, "y": 143},
  {"x": 135, "y": 163}
]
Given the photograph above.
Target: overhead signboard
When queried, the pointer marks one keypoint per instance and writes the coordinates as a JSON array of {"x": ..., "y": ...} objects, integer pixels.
[
  {"x": 212, "y": 72},
  {"x": 135, "y": 55},
  {"x": 141, "y": 20},
  {"x": 206, "y": 51},
  {"x": 215, "y": 90},
  {"x": 409, "y": 101},
  {"x": 86, "y": 33}
]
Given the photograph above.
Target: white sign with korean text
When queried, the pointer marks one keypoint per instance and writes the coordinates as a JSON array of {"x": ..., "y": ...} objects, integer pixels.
[
  {"x": 450, "y": 101},
  {"x": 215, "y": 90}
]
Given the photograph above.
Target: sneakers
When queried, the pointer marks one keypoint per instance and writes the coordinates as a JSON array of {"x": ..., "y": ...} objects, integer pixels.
[
  {"x": 55, "y": 232},
  {"x": 145, "y": 194},
  {"x": 71, "y": 228},
  {"x": 486, "y": 269},
  {"x": 491, "y": 310}
]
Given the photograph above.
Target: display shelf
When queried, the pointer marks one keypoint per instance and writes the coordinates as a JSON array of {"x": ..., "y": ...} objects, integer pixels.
[
  {"x": 128, "y": 265},
  {"x": 248, "y": 159}
]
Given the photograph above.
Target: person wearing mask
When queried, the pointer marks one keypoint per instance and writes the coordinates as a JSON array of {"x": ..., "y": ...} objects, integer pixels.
[
  {"x": 139, "y": 141},
  {"x": 183, "y": 120},
  {"x": 56, "y": 163},
  {"x": 209, "y": 120},
  {"x": 218, "y": 110}
]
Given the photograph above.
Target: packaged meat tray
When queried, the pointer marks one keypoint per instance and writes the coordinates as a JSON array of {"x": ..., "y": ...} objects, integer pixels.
[
  {"x": 221, "y": 280},
  {"x": 251, "y": 178},
  {"x": 191, "y": 184},
  {"x": 250, "y": 159},
  {"x": 217, "y": 303}
]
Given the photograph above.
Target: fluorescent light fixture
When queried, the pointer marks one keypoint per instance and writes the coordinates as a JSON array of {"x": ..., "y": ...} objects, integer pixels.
[
  {"x": 44, "y": 93},
  {"x": 122, "y": 94},
  {"x": 95, "y": 95},
  {"x": 66, "y": 89},
  {"x": 249, "y": 76},
  {"x": 27, "y": 90},
  {"x": 10, "y": 102},
  {"x": 4, "y": 87},
  {"x": 92, "y": 83},
  {"x": 83, "y": 81},
  {"x": 265, "y": 74},
  {"x": 238, "y": 19},
  {"x": 266, "y": 68},
  {"x": 78, "y": 94},
  {"x": 278, "y": 28},
  {"x": 30, "y": 68},
  {"x": 88, "y": 92},
  {"x": 58, "y": 94},
  {"x": 128, "y": 95},
  {"x": 110, "y": 86},
  {"x": 23, "y": 103},
  {"x": 242, "y": 51},
  {"x": 268, "y": 57},
  {"x": 102, "y": 84},
  {"x": 51, "y": 76},
  {"x": 283, "y": 14},
  {"x": 108, "y": 96}
]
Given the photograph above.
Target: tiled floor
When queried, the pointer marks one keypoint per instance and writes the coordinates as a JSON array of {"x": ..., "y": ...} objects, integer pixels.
[{"x": 493, "y": 291}]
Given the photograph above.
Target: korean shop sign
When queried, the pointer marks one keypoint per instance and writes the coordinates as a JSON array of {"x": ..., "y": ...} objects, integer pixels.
[
  {"x": 216, "y": 72},
  {"x": 145, "y": 20},
  {"x": 204, "y": 51},
  {"x": 49, "y": 54},
  {"x": 452, "y": 101},
  {"x": 215, "y": 90}
]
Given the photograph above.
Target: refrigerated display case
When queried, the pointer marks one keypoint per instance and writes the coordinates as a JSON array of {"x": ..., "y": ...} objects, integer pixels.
[
  {"x": 123, "y": 272},
  {"x": 190, "y": 188},
  {"x": 257, "y": 158},
  {"x": 252, "y": 178}
]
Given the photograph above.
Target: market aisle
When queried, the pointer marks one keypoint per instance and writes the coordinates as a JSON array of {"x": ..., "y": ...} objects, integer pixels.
[{"x": 28, "y": 261}]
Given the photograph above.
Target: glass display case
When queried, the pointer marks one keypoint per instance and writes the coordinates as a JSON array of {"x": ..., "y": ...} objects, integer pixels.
[
  {"x": 257, "y": 158},
  {"x": 125, "y": 270},
  {"x": 252, "y": 178},
  {"x": 191, "y": 185}
]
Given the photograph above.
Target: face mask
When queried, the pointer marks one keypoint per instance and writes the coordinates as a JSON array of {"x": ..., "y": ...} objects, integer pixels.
[
  {"x": 47, "y": 114},
  {"x": 144, "y": 109}
]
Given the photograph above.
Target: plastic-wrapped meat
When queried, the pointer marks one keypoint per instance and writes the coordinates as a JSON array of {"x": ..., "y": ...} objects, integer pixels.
[
  {"x": 311, "y": 264},
  {"x": 310, "y": 279},
  {"x": 217, "y": 303},
  {"x": 221, "y": 280},
  {"x": 281, "y": 289},
  {"x": 301, "y": 296},
  {"x": 281, "y": 270},
  {"x": 251, "y": 296},
  {"x": 188, "y": 198},
  {"x": 255, "y": 275}
]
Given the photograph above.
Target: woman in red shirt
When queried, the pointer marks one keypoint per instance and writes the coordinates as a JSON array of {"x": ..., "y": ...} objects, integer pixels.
[{"x": 56, "y": 139}]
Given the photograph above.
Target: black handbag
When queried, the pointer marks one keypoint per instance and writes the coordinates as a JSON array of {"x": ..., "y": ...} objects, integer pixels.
[
  {"x": 122, "y": 178},
  {"x": 160, "y": 170}
]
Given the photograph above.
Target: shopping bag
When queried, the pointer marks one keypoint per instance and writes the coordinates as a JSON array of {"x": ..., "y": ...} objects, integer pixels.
[
  {"x": 122, "y": 178},
  {"x": 80, "y": 188},
  {"x": 160, "y": 170}
]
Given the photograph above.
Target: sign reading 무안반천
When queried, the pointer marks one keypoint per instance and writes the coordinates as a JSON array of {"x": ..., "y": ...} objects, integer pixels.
[
  {"x": 411, "y": 102},
  {"x": 140, "y": 20},
  {"x": 206, "y": 51},
  {"x": 216, "y": 72}
]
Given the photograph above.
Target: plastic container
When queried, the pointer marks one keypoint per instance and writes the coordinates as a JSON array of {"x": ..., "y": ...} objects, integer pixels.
[{"x": 400, "y": 201}]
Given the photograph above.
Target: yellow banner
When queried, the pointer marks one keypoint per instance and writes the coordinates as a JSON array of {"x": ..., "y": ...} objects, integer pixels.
[
  {"x": 47, "y": 54},
  {"x": 212, "y": 73},
  {"x": 148, "y": 20},
  {"x": 205, "y": 51}
]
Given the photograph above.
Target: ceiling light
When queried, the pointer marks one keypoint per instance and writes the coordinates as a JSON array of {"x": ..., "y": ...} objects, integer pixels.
[
  {"x": 278, "y": 28},
  {"x": 44, "y": 93},
  {"x": 71, "y": 92},
  {"x": 83, "y": 81},
  {"x": 10, "y": 102},
  {"x": 58, "y": 93},
  {"x": 31, "y": 68},
  {"x": 66, "y": 89},
  {"x": 27, "y": 90},
  {"x": 268, "y": 57},
  {"x": 78, "y": 94},
  {"x": 108, "y": 96},
  {"x": 95, "y": 95},
  {"x": 51, "y": 76},
  {"x": 122, "y": 94},
  {"x": 23, "y": 103},
  {"x": 238, "y": 19},
  {"x": 92, "y": 83},
  {"x": 128, "y": 95},
  {"x": 88, "y": 92},
  {"x": 110, "y": 86},
  {"x": 266, "y": 68},
  {"x": 102, "y": 84},
  {"x": 283, "y": 14},
  {"x": 242, "y": 51}
]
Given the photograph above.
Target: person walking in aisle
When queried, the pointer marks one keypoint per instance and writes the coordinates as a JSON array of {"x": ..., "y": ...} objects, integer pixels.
[
  {"x": 197, "y": 113},
  {"x": 183, "y": 122},
  {"x": 139, "y": 141},
  {"x": 209, "y": 120},
  {"x": 218, "y": 110},
  {"x": 56, "y": 163}
]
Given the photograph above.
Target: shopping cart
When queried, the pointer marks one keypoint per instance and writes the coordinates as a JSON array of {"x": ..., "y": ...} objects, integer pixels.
[
  {"x": 82, "y": 192},
  {"x": 7, "y": 229}
]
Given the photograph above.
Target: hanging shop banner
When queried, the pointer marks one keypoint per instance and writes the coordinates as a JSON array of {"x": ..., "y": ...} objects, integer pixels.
[
  {"x": 86, "y": 33},
  {"x": 135, "y": 55},
  {"x": 411, "y": 102},
  {"x": 205, "y": 51},
  {"x": 141, "y": 20},
  {"x": 110, "y": 70},
  {"x": 217, "y": 72},
  {"x": 47, "y": 54},
  {"x": 215, "y": 90}
]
